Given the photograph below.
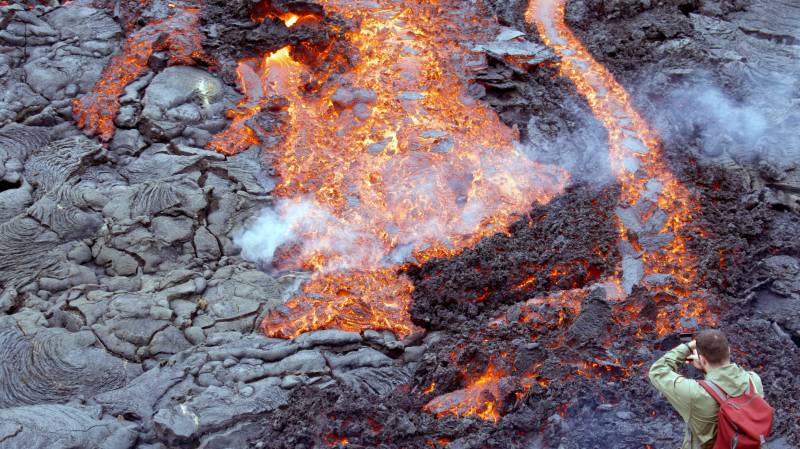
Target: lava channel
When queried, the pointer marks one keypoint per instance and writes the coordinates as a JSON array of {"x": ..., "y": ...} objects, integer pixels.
[{"x": 655, "y": 209}]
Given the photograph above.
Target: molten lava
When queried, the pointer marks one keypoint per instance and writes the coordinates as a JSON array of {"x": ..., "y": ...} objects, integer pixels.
[
  {"x": 651, "y": 194},
  {"x": 261, "y": 81},
  {"x": 485, "y": 395},
  {"x": 178, "y": 35},
  {"x": 387, "y": 164},
  {"x": 480, "y": 398}
]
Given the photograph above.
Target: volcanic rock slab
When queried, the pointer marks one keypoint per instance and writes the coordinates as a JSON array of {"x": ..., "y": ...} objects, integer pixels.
[{"x": 62, "y": 427}]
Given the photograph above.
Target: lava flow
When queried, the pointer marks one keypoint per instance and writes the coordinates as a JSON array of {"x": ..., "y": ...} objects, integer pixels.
[
  {"x": 656, "y": 208},
  {"x": 389, "y": 163},
  {"x": 178, "y": 35}
]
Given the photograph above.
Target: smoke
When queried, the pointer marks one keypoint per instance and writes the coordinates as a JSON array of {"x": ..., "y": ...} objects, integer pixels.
[
  {"x": 581, "y": 150},
  {"x": 725, "y": 124},
  {"x": 334, "y": 244},
  {"x": 271, "y": 230},
  {"x": 424, "y": 200},
  {"x": 759, "y": 124}
]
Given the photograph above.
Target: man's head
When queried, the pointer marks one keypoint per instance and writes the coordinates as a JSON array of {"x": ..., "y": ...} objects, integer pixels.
[{"x": 712, "y": 350}]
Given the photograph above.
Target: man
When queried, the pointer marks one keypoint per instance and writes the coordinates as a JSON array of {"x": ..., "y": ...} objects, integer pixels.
[{"x": 710, "y": 353}]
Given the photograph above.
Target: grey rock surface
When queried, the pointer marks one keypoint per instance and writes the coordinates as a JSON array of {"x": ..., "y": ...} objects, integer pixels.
[
  {"x": 62, "y": 427},
  {"x": 183, "y": 101},
  {"x": 56, "y": 366},
  {"x": 217, "y": 408}
]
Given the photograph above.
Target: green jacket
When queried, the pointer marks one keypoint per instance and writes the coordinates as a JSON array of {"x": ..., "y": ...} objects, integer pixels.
[{"x": 697, "y": 408}]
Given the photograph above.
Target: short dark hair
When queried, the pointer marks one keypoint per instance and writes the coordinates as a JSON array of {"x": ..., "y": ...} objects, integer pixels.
[{"x": 713, "y": 345}]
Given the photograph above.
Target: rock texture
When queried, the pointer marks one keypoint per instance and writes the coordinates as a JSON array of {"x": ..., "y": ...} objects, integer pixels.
[{"x": 56, "y": 366}]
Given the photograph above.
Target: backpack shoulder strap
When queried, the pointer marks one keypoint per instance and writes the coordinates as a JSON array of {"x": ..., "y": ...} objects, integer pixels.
[{"x": 714, "y": 390}]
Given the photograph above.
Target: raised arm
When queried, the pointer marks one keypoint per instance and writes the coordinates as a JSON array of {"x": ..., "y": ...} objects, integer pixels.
[{"x": 678, "y": 390}]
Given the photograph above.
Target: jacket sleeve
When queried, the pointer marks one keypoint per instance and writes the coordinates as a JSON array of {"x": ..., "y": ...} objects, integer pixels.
[
  {"x": 757, "y": 383},
  {"x": 678, "y": 390}
]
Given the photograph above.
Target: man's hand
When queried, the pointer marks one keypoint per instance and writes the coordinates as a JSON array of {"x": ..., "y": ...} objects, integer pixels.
[{"x": 693, "y": 358}]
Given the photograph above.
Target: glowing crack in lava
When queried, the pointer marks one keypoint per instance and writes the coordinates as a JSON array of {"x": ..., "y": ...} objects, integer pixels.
[
  {"x": 655, "y": 206},
  {"x": 479, "y": 398},
  {"x": 389, "y": 163},
  {"x": 179, "y": 35}
]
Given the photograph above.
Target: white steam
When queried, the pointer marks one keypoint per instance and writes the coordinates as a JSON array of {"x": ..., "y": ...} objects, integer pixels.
[
  {"x": 315, "y": 229},
  {"x": 420, "y": 201},
  {"x": 758, "y": 125}
]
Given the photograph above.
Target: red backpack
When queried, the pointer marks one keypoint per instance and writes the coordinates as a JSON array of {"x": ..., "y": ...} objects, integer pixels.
[{"x": 744, "y": 421}]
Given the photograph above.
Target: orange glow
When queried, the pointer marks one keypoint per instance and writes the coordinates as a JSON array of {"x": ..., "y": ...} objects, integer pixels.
[
  {"x": 374, "y": 425},
  {"x": 259, "y": 80},
  {"x": 335, "y": 301},
  {"x": 335, "y": 440},
  {"x": 612, "y": 370},
  {"x": 178, "y": 35},
  {"x": 396, "y": 156},
  {"x": 290, "y": 19},
  {"x": 480, "y": 398},
  {"x": 635, "y": 152},
  {"x": 264, "y": 9},
  {"x": 526, "y": 282}
]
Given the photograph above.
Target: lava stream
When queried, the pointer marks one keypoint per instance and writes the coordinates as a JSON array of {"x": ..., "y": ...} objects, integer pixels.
[
  {"x": 655, "y": 207},
  {"x": 391, "y": 162}
]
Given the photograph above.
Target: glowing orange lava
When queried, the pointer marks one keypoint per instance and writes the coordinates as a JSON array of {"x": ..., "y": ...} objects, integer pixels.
[
  {"x": 179, "y": 35},
  {"x": 260, "y": 80},
  {"x": 389, "y": 163},
  {"x": 334, "y": 440},
  {"x": 484, "y": 395},
  {"x": 567, "y": 302},
  {"x": 651, "y": 194},
  {"x": 479, "y": 398}
]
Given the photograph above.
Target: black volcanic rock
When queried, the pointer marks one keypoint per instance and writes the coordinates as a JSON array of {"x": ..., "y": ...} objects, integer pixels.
[{"x": 594, "y": 321}]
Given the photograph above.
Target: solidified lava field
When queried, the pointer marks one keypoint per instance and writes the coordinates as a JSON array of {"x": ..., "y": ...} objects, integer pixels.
[{"x": 393, "y": 223}]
